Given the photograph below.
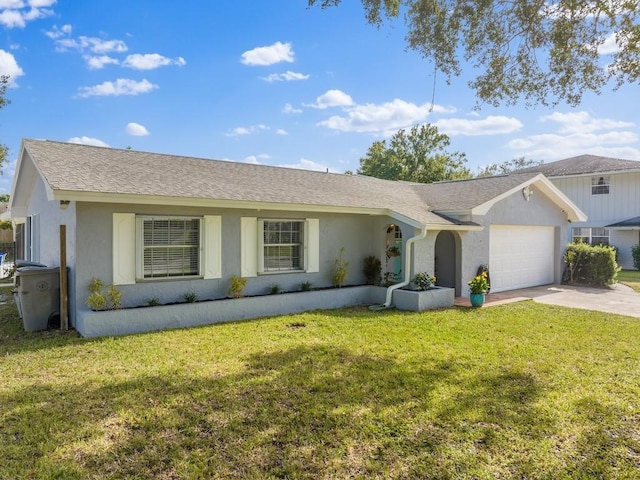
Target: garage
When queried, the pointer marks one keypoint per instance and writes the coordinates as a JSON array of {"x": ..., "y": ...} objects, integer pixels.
[{"x": 521, "y": 256}]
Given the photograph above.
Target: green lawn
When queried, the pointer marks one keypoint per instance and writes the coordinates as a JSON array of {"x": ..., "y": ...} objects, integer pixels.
[
  {"x": 517, "y": 391},
  {"x": 630, "y": 278}
]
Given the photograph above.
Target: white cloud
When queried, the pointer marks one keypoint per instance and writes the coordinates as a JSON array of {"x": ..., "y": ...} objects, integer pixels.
[
  {"x": 332, "y": 98},
  {"x": 92, "y": 44},
  {"x": 59, "y": 32},
  {"x": 88, "y": 141},
  {"x": 305, "y": 164},
  {"x": 281, "y": 131},
  {"x": 97, "y": 63},
  {"x": 151, "y": 61},
  {"x": 276, "y": 53},
  {"x": 9, "y": 66},
  {"x": 581, "y": 122},
  {"x": 384, "y": 119},
  {"x": 610, "y": 46},
  {"x": 288, "y": 108},
  {"x": 492, "y": 125},
  {"x": 16, "y": 13},
  {"x": 288, "y": 76},
  {"x": 255, "y": 159},
  {"x": 136, "y": 130},
  {"x": 122, "y": 86},
  {"x": 245, "y": 130}
]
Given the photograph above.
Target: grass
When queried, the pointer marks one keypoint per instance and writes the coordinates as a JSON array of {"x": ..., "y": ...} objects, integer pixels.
[
  {"x": 630, "y": 278},
  {"x": 517, "y": 391}
]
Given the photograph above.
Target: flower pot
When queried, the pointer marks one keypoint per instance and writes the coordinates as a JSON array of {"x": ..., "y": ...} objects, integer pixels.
[{"x": 477, "y": 299}]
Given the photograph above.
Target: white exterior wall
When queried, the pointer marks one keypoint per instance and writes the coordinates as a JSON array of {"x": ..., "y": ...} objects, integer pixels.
[{"x": 622, "y": 203}]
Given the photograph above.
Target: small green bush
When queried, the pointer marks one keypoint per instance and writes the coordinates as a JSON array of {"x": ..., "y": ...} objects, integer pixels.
[
  {"x": 236, "y": 286},
  {"x": 306, "y": 286},
  {"x": 424, "y": 281},
  {"x": 635, "y": 253},
  {"x": 372, "y": 270},
  {"x": 190, "y": 297},
  {"x": 340, "y": 270},
  {"x": 591, "y": 265},
  {"x": 275, "y": 289}
]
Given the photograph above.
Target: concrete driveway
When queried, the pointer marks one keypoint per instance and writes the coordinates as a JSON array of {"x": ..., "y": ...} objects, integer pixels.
[{"x": 616, "y": 299}]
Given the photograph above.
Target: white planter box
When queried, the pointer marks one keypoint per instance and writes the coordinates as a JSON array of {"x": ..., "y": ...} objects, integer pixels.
[
  {"x": 419, "y": 301},
  {"x": 145, "y": 319}
]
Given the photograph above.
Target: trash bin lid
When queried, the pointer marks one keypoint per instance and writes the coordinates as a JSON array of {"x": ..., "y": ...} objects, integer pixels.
[
  {"x": 37, "y": 270},
  {"x": 27, "y": 263}
]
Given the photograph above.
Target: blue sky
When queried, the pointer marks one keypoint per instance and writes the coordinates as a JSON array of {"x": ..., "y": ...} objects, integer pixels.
[{"x": 269, "y": 82}]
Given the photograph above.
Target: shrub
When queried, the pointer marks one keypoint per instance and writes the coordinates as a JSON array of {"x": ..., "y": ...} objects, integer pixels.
[
  {"x": 275, "y": 289},
  {"x": 115, "y": 297},
  {"x": 635, "y": 253},
  {"x": 190, "y": 297},
  {"x": 591, "y": 265},
  {"x": 306, "y": 286},
  {"x": 340, "y": 270},
  {"x": 99, "y": 301},
  {"x": 153, "y": 302},
  {"x": 96, "y": 301},
  {"x": 423, "y": 281},
  {"x": 372, "y": 270},
  {"x": 236, "y": 286}
]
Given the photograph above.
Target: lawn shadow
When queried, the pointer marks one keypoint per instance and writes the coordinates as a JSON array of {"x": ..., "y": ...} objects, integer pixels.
[{"x": 306, "y": 412}]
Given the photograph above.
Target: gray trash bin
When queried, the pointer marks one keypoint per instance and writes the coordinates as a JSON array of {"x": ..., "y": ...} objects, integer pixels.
[{"x": 38, "y": 296}]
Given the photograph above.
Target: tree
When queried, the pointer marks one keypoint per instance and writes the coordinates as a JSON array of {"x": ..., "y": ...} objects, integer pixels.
[
  {"x": 507, "y": 167},
  {"x": 4, "y": 82},
  {"x": 542, "y": 51},
  {"x": 417, "y": 156}
]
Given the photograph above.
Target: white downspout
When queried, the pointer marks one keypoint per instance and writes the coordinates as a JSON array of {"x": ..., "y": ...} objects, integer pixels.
[{"x": 407, "y": 269}]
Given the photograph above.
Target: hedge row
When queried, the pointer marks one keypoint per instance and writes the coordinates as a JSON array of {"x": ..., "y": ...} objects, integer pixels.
[{"x": 591, "y": 264}]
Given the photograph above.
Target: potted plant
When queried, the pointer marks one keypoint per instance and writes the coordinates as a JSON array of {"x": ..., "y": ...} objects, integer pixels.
[
  {"x": 393, "y": 251},
  {"x": 478, "y": 287}
]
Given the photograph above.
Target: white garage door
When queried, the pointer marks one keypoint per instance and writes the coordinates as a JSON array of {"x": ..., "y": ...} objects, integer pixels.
[{"x": 521, "y": 256}]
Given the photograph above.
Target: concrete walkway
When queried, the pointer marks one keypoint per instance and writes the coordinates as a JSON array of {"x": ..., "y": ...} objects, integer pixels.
[{"x": 616, "y": 299}]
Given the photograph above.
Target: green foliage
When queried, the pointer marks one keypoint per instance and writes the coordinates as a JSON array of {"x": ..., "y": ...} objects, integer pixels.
[
  {"x": 6, "y": 225},
  {"x": 479, "y": 283},
  {"x": 539, "y": 52},
  {"x": 97, "y": 300},
  {"x": 115, "y": 297},
  {"x": 340, "y": 270},
  {"x": 236, "y": 286},
  {"x": 417, "y": 156},
  {"x": 635, "y": 253},
  {"x": 274, "y": 289},
  {"x": 507, "y": 167},
  {"x": 372, "y": 270},
  {"x": 591, "y": 264},
  {"x": 424, "y": 281},
  {"x": 5, "y": 197},
  {"x": 306, "y": 286},
  {"x": 190, "y": 297},
  {"x": 153, "y": 302}
]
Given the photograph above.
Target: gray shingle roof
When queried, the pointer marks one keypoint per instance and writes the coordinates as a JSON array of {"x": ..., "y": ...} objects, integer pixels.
[
  {"x": 584, "y": 165},
  {"x": 68, "y": 167},
  {"x": 631, "y": 222}
]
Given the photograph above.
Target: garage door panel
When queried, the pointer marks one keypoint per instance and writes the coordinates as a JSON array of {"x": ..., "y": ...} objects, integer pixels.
[{"x": 521, "y": 256}]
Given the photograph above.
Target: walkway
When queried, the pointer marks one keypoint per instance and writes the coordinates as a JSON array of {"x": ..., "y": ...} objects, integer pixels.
[{"x": 617, "y": 299}]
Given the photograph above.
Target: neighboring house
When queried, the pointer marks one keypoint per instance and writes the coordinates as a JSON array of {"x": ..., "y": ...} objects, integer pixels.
[
  {"x": 162, "y": 225},
  {"x": 607, "y": 190}
]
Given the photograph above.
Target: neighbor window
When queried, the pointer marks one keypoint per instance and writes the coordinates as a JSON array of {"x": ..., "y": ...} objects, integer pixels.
[
  {"x": 600, "y": 185},
  {"x": 170, "y": 246},
  {"x": 282, "y": 245},
  {"x": 591, "y": 235}
]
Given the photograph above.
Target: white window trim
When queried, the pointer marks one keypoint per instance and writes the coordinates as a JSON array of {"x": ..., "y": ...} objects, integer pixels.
[
  {"x": 606, "y": 182},
  {"x": 128, "y": 262},
  {"x": 261, "y": 246},
  {"x": 591, "y": 235}
]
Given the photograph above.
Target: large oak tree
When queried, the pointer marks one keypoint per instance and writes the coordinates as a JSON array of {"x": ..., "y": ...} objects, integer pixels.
[
  {"x": 417, "y": 156},
  {"x": 539, "y": 51}
]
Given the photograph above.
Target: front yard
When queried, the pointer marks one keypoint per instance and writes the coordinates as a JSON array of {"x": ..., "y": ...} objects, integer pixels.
[
  {"x": 518, "y": 391},
  {"x": 630, "y": 278}
]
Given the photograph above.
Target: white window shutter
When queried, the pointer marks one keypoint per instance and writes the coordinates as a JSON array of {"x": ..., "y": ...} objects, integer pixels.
[
  {"x": 312, "y": 243},
  {"x": 249, "y": 247},
  {"x": 212, "y": 246},
  {"x": 124, "y": 248}
]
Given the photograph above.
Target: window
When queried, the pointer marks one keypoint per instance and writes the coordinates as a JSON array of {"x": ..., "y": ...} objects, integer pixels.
[
  {"x": 600, "y": 185},
  {"x": 164, "y": 247},
  {"x": 170, "y": 247},
  {"x": 591, "y": 235},
  {"x": 283, "y": 245}
]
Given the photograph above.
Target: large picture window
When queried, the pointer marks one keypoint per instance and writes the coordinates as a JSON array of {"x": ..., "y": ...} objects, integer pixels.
[
  {"x": 283, "y": 245},
  {"x": 170, "y": 247},
  {"x": 591, "y": 235}
]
